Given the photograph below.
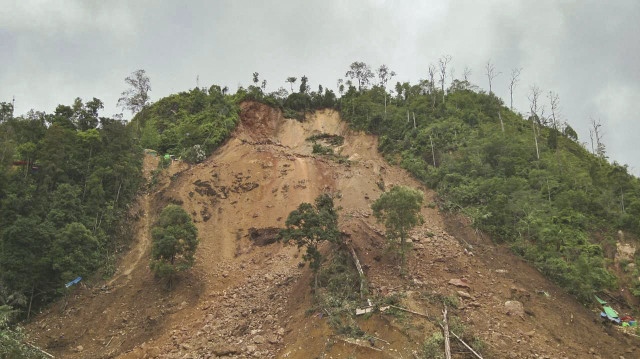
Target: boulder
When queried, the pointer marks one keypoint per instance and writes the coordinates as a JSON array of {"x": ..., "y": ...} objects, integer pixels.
[{"x": 513, "y": 307}]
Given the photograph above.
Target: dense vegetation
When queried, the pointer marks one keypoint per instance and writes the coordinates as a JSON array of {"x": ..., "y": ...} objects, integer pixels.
[
  {"x": 66, "y": 179},
  {"x": 526, "y": 181},
  {"x": 175, "y": 240},
  {"x": 188, "y": 124}
]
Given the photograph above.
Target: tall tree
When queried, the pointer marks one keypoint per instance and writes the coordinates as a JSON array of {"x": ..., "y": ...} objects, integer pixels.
[
  {"x": 399, "y": 210},
  {"x": 384, "y": 75},
  {"x": 304, "y": 84},
  {"x": 554, "y": 101},
  {"x": 256, "y": 78},
  {"x": 291, "y": 80},
  {"x": 515, "y": 78},
  {"x": 136, "y": 97},
  {"x": 360, "y": 72},
  {"x": 491, "y": 73},
  {"x": 534, "y": 97},
  {"x": 443, "y": 62},
  {"x": 309, "y": 226}
]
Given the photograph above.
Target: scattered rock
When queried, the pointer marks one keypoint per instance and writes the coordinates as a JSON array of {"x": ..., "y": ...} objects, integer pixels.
[
  {"x": 224, "y": 350},
  {"x": 462, "y": 283},
  {"x": 513, "y": 307},
  {"x": 258, "y": 339},
  {"x": 464, "y": 294}
]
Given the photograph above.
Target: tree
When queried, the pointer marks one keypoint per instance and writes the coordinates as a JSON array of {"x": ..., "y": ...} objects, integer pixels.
[
  {"x": 384, "y": 75},
  {"x": 491, "y": 73},
  {"x": 466, "y": 73},
  {"x": 597, "y": 146},
  {"x": 442, "y": 64},
  {"x": 304, "y": 87},
  {"x": 291, "y": 80},
  {"x": 6, "y": 111},
  {"x": 310, "y": 225},
  {"x": 534, "y": 96},
  {"x": 399, "y": 210},
  {"x": 136, "y": 97},
  {"x": 554, "y": 101},
  {"x": 74, "y": 252},
  {"x": 361, "y": 72},
  {"x": 255, "y": 78},
  {"x": 175, "y": 240},
  {"x": 515, "y": 78}
]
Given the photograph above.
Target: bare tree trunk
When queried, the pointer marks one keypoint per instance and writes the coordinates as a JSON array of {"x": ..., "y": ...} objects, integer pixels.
[
  {"x": 385, "y": 104},
  {"x": 433, "y": 153},
  {"x": 33, "y": 287},
  {"x": 414, "y": 119},
  {"x": 445, "y": 329},
  {"x": 535, "y": 138},
  {"x": 548, "y": 190},
  {"x": 115, "y": 203},
  {"x": 501, "y": 122},
  {"x": 360, "y": 271}
]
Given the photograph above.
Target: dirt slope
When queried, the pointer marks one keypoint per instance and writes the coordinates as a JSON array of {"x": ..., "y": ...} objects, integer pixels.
[{"x": 245, "y": 300}]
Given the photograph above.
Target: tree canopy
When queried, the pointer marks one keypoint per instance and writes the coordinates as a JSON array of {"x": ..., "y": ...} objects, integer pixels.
[
  {"x": 175, "y": 240},
  {"x": 399, "y": 210},
  {"x": 309, "y": 226}
]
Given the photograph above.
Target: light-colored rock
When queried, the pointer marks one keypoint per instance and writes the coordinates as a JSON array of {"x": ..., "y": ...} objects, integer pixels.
[{"x": 514, "y": 307}]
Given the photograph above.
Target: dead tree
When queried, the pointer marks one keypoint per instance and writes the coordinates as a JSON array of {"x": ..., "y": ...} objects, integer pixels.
[
  {"x": 534, "y": 96},
  {"x": 597, "y": 134},
  {"x": 491, "y": 73},
  {"x": 442, "y": 64},
  {"x": 384, "y": 75},
  {"x": 515, "y": 78},
  {"x": 554, "y": 100},
  {"x": 445, "y": 329},
  {"x": 501, "y": 122},
  {"x": 466, "y": 73},
  {"x": 432, "y": 79}
]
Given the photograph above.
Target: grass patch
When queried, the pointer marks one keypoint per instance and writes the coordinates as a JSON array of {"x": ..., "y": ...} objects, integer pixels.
[{"x": 333, "y": 140}]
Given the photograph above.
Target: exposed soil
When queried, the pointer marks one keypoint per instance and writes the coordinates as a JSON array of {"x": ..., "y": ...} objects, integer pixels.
[{"x": 248, "y": 297}]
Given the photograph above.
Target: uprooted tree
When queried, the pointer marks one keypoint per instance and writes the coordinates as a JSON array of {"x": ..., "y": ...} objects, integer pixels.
[
  {"x": 310, "y": 225},
  {"x": 175, "y": 240},
  {"x": 399, "y": 210}
]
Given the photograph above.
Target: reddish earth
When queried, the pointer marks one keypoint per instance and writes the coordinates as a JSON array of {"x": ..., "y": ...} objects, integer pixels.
[{"x": 243, "y": 300}]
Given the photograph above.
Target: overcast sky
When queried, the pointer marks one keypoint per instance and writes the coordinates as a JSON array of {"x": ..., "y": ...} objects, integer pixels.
[{"x": 586, "y": 51}]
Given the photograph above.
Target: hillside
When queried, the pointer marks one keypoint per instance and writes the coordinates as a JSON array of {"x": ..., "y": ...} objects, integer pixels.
[{"x": 249, "y": 297}]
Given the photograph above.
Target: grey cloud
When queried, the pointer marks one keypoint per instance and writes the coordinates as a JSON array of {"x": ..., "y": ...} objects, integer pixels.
[{"x": 585, "y": 51}]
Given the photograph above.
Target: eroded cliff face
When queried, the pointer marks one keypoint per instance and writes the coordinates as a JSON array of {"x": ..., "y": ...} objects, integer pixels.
[{"x": 248, "y": 296}]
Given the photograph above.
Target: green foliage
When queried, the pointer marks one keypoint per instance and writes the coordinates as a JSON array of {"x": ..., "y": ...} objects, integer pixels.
[
  {"x": 549, "y": 208},
  {"x": 333, "y": 140},
  {"x": 322, "y": 150},
  {"x": 62, "y": 207},
  {"x": 310, "y": 225},
  {"x": 188, "y": 124},
  {"x": 432, "y": 346},
  {"x": 399, "y": 210},
  {"x": 337, "y": 292},
  {"x": 175, "y": 240}
]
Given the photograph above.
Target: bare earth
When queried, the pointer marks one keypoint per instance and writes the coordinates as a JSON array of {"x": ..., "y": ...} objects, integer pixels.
[{"x": 243, "y": 300}]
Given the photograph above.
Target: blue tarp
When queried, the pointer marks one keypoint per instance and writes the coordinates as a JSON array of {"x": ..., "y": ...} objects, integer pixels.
[
  {"x": 615, "y": 320},
  {"x": 75, "y": 281}
]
